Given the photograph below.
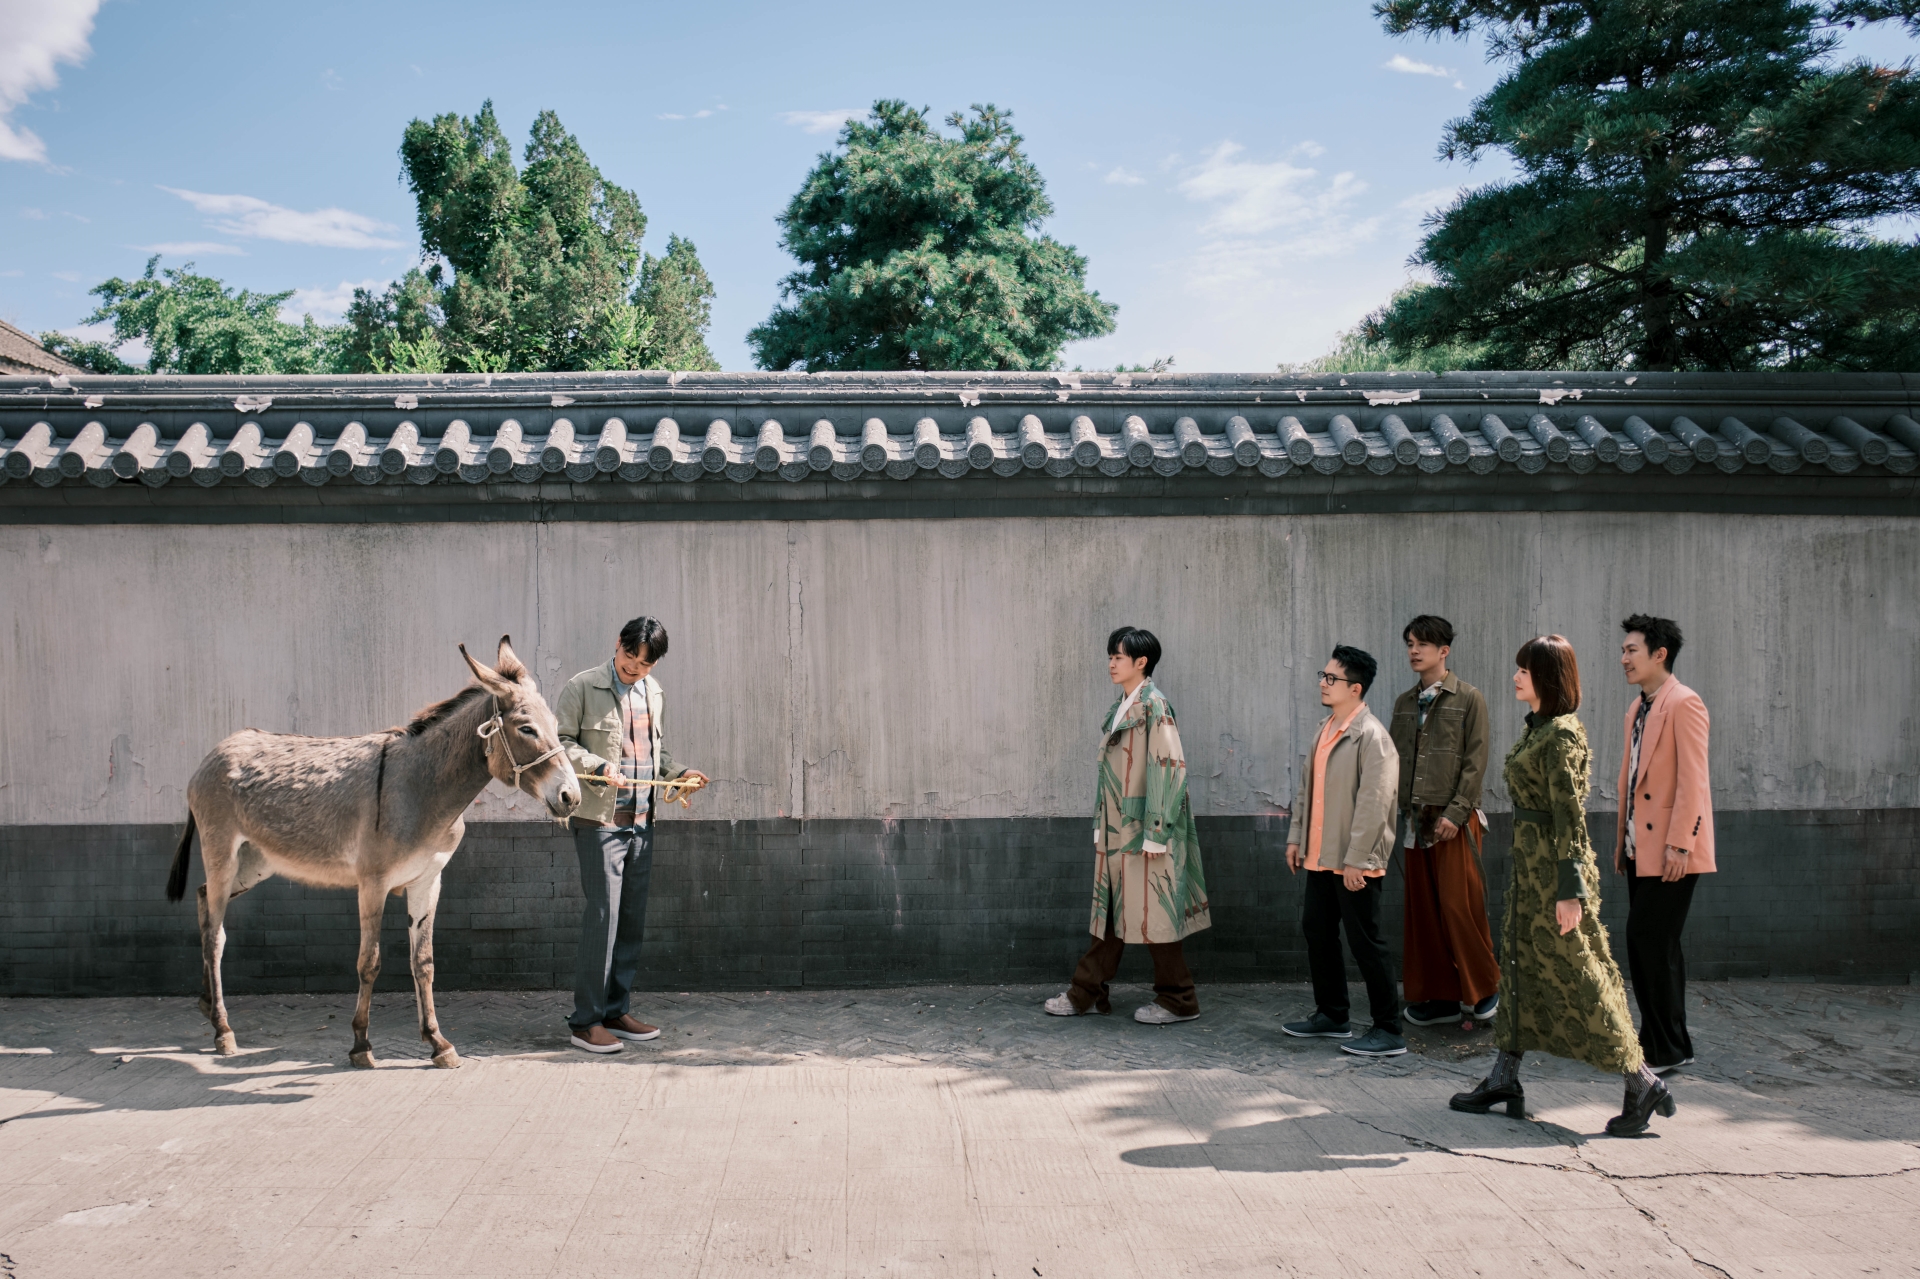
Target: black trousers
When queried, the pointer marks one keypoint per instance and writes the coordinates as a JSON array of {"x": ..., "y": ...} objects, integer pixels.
[
  {"x": 1327, "y": 907},
  {"x": 1656, "y": 916}
]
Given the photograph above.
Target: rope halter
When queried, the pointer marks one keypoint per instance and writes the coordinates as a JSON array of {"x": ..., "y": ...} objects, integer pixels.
[{"x": 494, "y": 730}]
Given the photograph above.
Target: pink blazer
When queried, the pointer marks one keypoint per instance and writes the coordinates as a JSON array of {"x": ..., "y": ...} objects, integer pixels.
[{"x": 1672, "y": 803}]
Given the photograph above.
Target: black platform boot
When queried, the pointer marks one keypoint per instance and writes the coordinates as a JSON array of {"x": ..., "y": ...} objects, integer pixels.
[
  {"x": 1501, "y": 1086},
  {"x": 1646, "y": 1093}
]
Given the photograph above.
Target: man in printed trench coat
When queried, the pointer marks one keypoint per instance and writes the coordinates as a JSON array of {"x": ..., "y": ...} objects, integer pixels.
[{"x": 1148, "y": 887}]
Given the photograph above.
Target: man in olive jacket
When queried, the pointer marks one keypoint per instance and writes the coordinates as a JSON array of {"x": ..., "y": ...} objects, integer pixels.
[
  {"x": 1341, "y": 833},
  {"x": 610, "y": 725},
  {"x": 1440, "y": 729}
]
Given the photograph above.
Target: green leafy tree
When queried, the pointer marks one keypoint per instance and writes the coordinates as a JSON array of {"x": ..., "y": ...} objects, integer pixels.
[
  {"x": 676, "y": 297},
  {"x": 194, "y": 324},
  {"x": 1699, "y": 188},
  {"x": 537, "y": 267},
  {"x": 94, "y": 357},
  {"x": 395, "y": 331},
  {"x": 920, "y": 251}
]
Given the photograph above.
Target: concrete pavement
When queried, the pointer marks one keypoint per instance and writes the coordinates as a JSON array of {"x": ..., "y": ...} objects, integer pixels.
[{"x": 938, "y": 1131}]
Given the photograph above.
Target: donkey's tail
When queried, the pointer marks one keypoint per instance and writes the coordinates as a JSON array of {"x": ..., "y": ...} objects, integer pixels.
[{"x": 177, "y": 880}]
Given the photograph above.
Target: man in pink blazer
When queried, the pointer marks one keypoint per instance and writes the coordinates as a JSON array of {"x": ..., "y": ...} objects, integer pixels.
[{"x": 1664, "y": 839}]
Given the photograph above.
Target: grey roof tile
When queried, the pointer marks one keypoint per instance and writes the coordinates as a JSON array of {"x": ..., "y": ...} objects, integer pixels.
[{"x": 739, "y": 428}]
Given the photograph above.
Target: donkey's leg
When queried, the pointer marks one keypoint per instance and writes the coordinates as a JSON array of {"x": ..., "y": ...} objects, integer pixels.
[
  {"x": 218, "y": 855},
  {"x": 373, "y": 901},
  {"x": 423, "y": 901}
]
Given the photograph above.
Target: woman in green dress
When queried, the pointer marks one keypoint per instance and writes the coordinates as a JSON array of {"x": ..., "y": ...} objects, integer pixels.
[{"x": 1560, "y": 991}]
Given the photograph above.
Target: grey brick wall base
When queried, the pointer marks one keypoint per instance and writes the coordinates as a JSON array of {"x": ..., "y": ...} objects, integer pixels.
[{"x": 1823, "y": 894}]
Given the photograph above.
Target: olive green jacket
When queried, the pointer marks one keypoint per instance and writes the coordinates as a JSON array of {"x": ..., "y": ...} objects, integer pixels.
[
  {"x": 589, "y": 718},
  {"x": 1444, "y": 764}
]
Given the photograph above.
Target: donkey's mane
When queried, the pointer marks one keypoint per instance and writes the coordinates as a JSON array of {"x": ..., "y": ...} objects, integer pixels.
[{"x": 427, "y": 717}]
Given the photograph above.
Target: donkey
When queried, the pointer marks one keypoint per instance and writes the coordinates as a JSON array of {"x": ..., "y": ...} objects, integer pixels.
[{"x": 317, "y": 810}]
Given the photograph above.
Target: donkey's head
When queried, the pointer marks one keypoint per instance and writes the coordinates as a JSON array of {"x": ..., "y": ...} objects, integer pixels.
[{"x": 523, "y": 746}]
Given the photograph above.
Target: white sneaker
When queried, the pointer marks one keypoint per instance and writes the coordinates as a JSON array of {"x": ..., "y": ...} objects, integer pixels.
[
  {"x": 1061, "y": 1006},
  {"x": 1155, "y": 1015}
]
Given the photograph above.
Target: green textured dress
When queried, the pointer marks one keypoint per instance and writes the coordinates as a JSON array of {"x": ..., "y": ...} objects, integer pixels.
[{"x": 1561, "y": 995}]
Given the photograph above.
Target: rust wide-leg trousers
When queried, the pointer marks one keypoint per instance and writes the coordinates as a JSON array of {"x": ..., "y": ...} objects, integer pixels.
[
  {"x": 1172, "y": 982},
  {"x": 1449, "y": 948}
]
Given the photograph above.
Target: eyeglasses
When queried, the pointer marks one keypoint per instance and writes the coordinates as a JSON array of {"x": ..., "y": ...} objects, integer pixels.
[{"x": 1328, "y": 677}]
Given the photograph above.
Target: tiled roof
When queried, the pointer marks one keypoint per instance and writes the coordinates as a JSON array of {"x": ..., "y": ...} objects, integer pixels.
[
  {"x": 757, "y": 428},
  {"x": 20, "y": 353}
]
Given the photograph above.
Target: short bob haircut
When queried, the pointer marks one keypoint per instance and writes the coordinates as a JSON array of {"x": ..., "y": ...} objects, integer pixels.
[
  {"x": 1659, "y": 633},
  {"x": 644, "y": 637},
  {"x": 1135, "y": 643},
  {"x": 1428, "y": 629},
  {"x": 1556, "y": 675}
]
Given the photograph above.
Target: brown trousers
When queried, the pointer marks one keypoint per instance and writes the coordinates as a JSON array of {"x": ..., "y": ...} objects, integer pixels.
[
  {"x": 1172, "y": 983},
  {"x": 1449, "y": 948}
]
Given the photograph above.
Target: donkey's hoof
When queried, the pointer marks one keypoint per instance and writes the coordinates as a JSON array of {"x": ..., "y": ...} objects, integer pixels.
[
  {"x": 225, "y": 1044},
  {"x": 448, "y": 1060},
  {"x": 362, "y": 1058}
]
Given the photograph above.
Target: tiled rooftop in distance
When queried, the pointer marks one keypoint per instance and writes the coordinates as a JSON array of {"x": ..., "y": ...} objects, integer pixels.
[{"x": 746, "y": 429}]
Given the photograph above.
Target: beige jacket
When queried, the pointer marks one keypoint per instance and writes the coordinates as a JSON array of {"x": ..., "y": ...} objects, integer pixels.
[
  {"x": 1361, "y": 790},
  {"x": 590, "y": 730}
]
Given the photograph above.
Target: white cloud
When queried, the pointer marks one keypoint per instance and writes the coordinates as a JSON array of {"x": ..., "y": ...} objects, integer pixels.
[
  {"x": 1407, "y": 66},
  {"x": 32, "y": 215},
  {"x": 327, "y": 304},
  {"x": 331, "y": 81},
  {"x": 674, "y": 115},
  {"x": 1253, "y": 198},
  {"x": 71, "y": 277},
  {"x": 14, "y": 274},
  {"x": 192, "y": 248},
  {"x": 821, "y": 121},
  {"x": 40, "y": 35},
  {"x": 1125, "y": 177},
  {"x": 1437, "y": 198},
  {"x": 247, "y": 216}
]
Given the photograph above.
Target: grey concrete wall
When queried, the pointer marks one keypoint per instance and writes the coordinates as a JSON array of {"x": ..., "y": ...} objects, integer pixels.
[
  {"x": 892, "y": 670},
  {"x": 781, "y": 903}
]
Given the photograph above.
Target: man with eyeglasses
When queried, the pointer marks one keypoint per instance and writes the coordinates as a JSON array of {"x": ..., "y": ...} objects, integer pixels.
[{"x": 1341, "y": 832}]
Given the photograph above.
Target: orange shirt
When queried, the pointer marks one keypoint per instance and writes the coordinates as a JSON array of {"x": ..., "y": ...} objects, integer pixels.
[{"x": 1322, "y": 748}]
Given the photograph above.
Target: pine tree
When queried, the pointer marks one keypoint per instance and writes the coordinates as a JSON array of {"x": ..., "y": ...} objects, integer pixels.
[
  {"x": 920, "y": 251},
  {"x": 1700, "y": 186}
]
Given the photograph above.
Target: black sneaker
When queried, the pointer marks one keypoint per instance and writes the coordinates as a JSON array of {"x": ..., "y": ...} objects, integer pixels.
[
  {"x": 1376, "y": 1043},
  {"x": 1431, "y": 1012},
  {"x": 1318, "y": 1026},
  {"x": 1486, "y": 1008}
]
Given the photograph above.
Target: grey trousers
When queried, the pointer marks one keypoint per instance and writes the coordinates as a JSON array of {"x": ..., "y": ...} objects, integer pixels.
[{"x": 616, "y": 868}]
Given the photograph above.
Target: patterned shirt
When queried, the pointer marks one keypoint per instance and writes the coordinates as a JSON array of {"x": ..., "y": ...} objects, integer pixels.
[
  {"x": 1633, "y": 764},
  {"x": 634, "y": 806}
]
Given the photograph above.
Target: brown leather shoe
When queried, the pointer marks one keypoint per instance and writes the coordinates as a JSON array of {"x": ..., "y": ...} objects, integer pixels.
[
  {"x": 627, "y": 1026},
  {"x": 595, "y": 1039}
]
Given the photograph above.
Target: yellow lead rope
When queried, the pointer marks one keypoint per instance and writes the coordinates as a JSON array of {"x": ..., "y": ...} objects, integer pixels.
[{"x": 679, "y": 788}]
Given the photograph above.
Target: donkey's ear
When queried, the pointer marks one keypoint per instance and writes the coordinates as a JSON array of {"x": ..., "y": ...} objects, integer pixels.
[
  {"x": 489, "y": 679},
  {"x": 506, "y": 662}
]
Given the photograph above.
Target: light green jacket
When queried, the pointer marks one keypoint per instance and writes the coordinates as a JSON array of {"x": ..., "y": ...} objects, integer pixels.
[{"x": 589, "y": 716}]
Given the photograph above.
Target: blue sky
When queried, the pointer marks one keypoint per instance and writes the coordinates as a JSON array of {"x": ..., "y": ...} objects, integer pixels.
[{"x": 1245, "y": 179}]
